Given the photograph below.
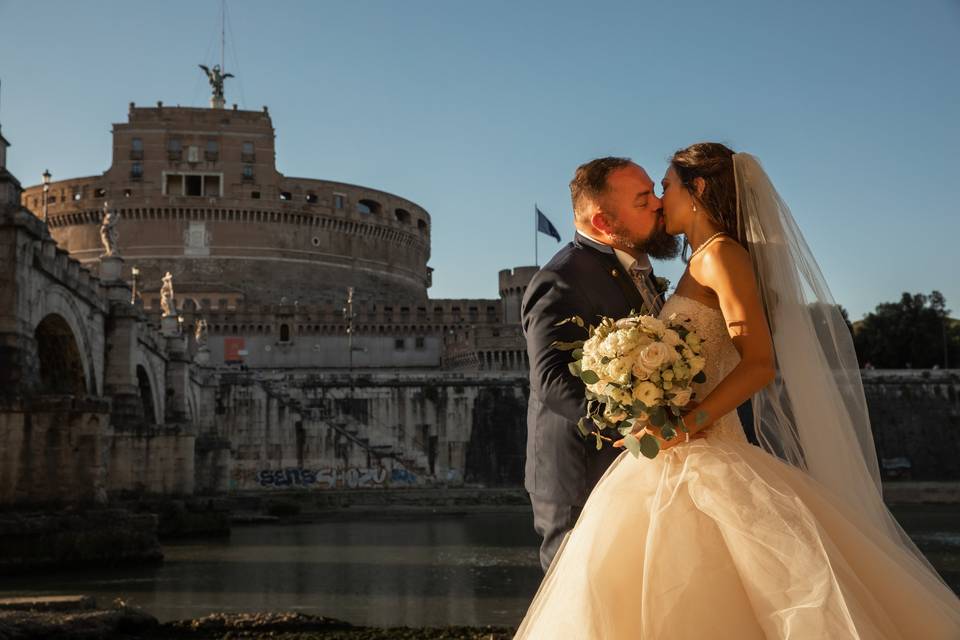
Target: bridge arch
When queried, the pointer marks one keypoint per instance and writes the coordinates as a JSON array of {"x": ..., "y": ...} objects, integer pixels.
[
  {"x": 83, "y": 324},
  {"x": 62, "y": 369}
]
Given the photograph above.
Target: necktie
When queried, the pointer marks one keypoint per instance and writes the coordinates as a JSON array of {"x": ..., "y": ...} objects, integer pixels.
[{"x": 645, "y": 285}]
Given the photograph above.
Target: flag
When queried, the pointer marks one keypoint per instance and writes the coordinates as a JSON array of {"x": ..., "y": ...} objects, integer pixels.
[{"x": 545, "y": 226}]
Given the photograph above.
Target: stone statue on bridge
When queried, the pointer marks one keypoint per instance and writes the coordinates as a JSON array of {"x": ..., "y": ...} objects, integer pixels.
[
  {"x": 200, "y": 334},
  {"x": 108, "y": 230},
  {"x": 166, "y": 296}
]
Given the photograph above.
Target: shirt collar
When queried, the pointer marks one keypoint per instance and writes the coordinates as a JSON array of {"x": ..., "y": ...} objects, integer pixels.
[{"x": 625, "y": 259}]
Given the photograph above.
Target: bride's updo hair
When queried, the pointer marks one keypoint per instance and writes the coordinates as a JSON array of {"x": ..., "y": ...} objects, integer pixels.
[{"x": 713, "y": 162}]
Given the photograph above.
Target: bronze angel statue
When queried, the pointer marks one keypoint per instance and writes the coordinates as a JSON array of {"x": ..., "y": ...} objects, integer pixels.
[{"x": 216, "y": 78}]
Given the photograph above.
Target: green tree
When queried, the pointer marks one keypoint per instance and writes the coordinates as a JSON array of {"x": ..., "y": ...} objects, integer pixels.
[{"x": 915, "y": 332}]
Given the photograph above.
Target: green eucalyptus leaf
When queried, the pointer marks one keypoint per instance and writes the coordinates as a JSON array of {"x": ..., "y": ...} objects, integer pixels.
[
  {"x": 667, "y": 432},
  {"x": 599, "y": 441},
  {"x": 658, "y": 417},
  {"x": 605, "y": 359},
  {"x": 633, "y": 446},
  {"x": 567, "y": 346},
  {"x": 577, "y": 353},
  {"x": 649, "y": 446},
  {"x": 582, "y": 427},
  {"x": 625, "y": 430},
  {"x": 574, "y": 368},
  {"x": 589, "y": 377}
]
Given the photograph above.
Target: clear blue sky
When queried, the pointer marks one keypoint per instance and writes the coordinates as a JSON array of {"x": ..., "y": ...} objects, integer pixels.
[{"x": 476, "y": 110}]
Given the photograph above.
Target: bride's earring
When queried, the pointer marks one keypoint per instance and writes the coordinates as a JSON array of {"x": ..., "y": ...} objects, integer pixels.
[{"x": 694, "y": 208}]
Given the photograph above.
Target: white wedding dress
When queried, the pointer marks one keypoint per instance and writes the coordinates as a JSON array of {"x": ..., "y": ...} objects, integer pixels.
[{"x": 716, "y": 538}]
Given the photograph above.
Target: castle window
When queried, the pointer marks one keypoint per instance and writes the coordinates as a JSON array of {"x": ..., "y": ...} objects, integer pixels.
[
  {"x": 136, "y": 149},
  {"x": 421, "y": 225},
  {"x": 402, "y": 216},
  {"x": 419, "y": 342},
  {"x": 247, "y": 172},
  {"x": 99, "y": 192},
  {"x": 399, "y": 344},
  {"x": 77, "y": 193},
  {"x": 338, "y": 200},
  {"x": 255, "y": 195},
  {"x": 285, "y": 195},
  {"x": 368, "y": 206},
  {"x": 212, "y": 153},
  {"x": 284, "y": 333},
  {"x": 127, "y": 193},
  {"x": 311, "y": 198},
  {"x": 247, "y": 153},
  {"x": 174, "y": 149},
  {"x": 136, "y": 170},
  {"x": 193, "y": 185}
]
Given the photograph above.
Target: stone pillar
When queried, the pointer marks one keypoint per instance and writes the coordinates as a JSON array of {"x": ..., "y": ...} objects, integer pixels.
[
  {"x": 178, "y": 380},
  {"x": 111, "y": 270},
  {"x": 120, "y": 369}
]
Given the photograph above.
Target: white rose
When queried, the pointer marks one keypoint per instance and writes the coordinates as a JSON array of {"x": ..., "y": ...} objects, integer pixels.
[
  {"x": 647, "y": 393},
  {"x": 693, "y": 340},
  {"x": 626, "y": 323},
  {"x": 618, "y": 369},
  {"x": 608, "y": 348},
  {"x": 697, "y": 363},
  {"x": 654, "y": 354},
  {"x": 639, "y": 371},
  {"x": 681, "y": 397},
  {"x": 671, "y": 338},
  {"x": 652, "y": 324}
]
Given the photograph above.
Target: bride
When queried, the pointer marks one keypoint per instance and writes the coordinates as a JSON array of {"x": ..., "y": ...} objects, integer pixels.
[{"x": 717, "y": 538}]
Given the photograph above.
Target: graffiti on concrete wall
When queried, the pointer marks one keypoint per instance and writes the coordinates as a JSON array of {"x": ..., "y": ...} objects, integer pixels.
[{"x": 334, "y": 478}]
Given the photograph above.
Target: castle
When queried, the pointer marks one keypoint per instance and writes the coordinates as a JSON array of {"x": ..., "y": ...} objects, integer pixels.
[{"x": 204, "y": 323}]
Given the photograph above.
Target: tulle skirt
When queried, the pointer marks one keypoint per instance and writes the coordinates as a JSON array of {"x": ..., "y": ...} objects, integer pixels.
[{"x": 718, "y": 539}]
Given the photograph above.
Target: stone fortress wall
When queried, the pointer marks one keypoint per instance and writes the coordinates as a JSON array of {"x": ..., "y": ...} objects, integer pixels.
[{"x": 199, "y": 195}]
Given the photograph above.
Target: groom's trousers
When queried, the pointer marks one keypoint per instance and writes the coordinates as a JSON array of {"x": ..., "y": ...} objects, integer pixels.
[{"x": 552, "y": 520}]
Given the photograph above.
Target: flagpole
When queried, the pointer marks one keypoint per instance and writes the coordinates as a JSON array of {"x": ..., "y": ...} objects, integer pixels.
[{"x": 536, "y": 230}]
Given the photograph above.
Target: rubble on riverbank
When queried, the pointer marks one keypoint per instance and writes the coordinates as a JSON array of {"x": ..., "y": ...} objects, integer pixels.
[{"x": 38, "y": 619}]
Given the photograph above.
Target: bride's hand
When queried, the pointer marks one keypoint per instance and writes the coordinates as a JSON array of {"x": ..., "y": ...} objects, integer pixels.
[{"x": 680, "y": 436}]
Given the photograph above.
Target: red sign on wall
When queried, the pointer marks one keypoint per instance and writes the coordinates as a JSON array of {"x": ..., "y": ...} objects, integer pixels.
[{"x": 233, "y": 349}]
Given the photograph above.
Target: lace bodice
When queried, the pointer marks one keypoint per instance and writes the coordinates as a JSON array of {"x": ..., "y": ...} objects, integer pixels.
[{"x": 719, "y": 352}]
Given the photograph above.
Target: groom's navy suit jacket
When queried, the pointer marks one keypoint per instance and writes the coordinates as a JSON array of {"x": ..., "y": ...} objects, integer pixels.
[{"x": 583, "y": 279}]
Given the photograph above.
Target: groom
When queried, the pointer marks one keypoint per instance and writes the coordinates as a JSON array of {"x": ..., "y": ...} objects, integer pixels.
[{"x": 605, "y": 271}]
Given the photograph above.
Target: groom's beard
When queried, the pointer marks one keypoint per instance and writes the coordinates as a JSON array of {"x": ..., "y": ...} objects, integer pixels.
[{"x": 659, "y": 244}]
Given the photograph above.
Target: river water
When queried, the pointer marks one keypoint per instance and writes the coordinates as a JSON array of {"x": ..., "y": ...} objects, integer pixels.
[{"x": 376, "y": 569}]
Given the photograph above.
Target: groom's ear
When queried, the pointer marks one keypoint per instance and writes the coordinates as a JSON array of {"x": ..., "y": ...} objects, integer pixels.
[{"x": 600, "y": 221}]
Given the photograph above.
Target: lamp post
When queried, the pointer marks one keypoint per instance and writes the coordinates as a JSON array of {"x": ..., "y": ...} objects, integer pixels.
[
  {"x": 135, "y": 272},
  {"x": 46, "y": 188}
]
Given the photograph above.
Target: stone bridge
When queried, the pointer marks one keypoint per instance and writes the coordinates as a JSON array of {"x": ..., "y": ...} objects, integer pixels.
[{"x": 92, "y": 400}]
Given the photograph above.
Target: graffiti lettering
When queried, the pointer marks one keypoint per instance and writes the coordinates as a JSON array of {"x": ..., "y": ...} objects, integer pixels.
[{"x": 351, "y": 477}]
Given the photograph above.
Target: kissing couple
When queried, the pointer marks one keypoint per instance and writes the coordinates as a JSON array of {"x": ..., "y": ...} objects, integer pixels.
[{"x": 716, "y": 537}]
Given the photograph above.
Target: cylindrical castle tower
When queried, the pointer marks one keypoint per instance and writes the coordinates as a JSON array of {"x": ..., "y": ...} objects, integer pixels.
[{"x": 199, "y": 195}]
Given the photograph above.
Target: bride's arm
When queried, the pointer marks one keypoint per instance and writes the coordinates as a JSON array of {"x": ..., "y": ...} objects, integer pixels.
[{"x": 726, "y": 269}]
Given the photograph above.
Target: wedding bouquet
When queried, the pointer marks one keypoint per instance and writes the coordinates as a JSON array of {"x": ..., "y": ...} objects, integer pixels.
[{"x": 638, "y": 371}]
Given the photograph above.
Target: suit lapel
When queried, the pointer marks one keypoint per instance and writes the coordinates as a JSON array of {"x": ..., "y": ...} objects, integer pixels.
[{"x": 632, "y": 298}]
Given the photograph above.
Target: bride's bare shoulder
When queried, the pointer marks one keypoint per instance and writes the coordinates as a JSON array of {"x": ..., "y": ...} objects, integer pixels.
[{"x": 724, "y": 261}]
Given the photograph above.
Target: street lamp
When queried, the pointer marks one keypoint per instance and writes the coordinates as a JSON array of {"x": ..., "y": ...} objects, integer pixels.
[
  {"x": 135, "y": 272},
  {"x": 46, "y": 188}
]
